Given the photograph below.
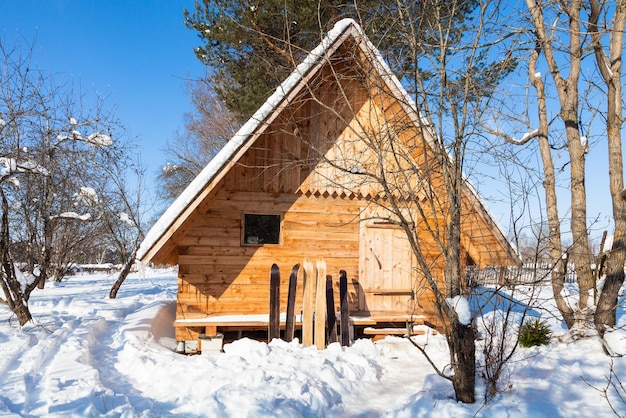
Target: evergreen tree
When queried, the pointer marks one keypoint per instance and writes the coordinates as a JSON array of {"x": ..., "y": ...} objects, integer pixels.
[{"x": 251, "y": 47}]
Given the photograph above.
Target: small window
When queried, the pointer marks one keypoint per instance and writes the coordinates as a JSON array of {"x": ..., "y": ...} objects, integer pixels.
[{"x": 261, "y": 229}]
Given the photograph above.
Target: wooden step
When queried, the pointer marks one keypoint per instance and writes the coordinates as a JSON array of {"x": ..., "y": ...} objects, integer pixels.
[
  {"x": 360, "y": 317},
  {"x": 391, "y": 331},
  {"x": 380, "y": 333}
]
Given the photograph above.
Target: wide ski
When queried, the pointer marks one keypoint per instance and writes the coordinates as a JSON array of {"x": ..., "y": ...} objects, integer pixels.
[
  {"x": 290, "y": 321},
  {"x": 274, "y": 320},
  {"x": 308, "y": 302},
  {"x": 331, "y": 316},
  {"x": 320, "y": 305},
  {"x": 343, "y": 308}
]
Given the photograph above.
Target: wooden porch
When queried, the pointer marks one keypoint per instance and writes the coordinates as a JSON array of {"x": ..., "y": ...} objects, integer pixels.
[{"x": 362, "y": 323}]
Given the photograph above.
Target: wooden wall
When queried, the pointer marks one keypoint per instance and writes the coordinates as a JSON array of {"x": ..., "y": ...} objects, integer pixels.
[{"x": 218, "y": 275}]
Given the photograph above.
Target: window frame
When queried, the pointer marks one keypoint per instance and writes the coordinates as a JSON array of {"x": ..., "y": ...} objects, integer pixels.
[{"x": 261, "y": 213}]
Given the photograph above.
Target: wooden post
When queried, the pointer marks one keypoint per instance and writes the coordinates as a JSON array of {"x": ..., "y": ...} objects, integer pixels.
[
  {"x": 274, "y": 320},
  {"x": 307, "y": 302},
  {"x": 501, "y": 277},
  {"x": 290, "y": 321},
  {"x": 320, "y": 305},
  {"x": 343, "y": 307},
  {"x": 210, "y": 330},
  {"x": 331, "y": 316}
]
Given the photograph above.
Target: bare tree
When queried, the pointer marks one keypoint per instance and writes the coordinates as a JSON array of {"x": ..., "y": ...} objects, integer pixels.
[
  {"x": 564, "y": 34},
  {"x": 453, "y": 82},
  {"x": 610, "y": 68},
  {"x": 123, "y": 216},
  {"x": 568, "y": 94},
  {"x": 412, "y": 165},
  {"x": 50, "y": 182},
  {"x": 541, "y": 135}
]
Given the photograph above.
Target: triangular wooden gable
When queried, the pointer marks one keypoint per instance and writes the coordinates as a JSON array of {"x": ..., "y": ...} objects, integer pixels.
[{"x": 342, "y": 93}]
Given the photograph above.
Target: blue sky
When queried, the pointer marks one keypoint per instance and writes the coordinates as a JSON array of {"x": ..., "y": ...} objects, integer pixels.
[{"x": 137, "y": 53}]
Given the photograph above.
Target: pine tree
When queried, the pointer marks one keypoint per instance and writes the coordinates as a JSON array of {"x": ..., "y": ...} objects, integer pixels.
[{"x": 251, "y": 47}]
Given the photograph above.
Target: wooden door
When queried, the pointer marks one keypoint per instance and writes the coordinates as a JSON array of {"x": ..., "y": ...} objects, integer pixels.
[{"x": 386, "y": 269}]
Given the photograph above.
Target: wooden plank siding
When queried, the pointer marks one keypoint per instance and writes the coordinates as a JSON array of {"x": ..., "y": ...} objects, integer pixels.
[{"x": 217, "y": 275}]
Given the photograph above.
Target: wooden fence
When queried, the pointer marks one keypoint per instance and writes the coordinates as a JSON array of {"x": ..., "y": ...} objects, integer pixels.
[{"x": 509, "y": 275}]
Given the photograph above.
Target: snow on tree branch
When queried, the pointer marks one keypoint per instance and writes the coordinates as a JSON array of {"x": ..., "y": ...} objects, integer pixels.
[
  {"x": 125, "y": 218},
  {"x": 462, "y": 308},
  {"x": 9, "y": 166},
  {"x": 24, "y": 279},
  {"x": 72, "y": 215},
  {"x": 96, "y": 138},
  {"x": 99, "y": 139},
  {"x": 86, "y": 196}
]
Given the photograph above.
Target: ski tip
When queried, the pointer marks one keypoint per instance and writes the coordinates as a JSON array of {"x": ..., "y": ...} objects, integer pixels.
[
  {"x": 320, "y": 263},
  {"x": 308, "y": 264}
]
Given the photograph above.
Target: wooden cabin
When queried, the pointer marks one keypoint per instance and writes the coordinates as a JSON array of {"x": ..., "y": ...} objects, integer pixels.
[{"x": 302, "y": 179}]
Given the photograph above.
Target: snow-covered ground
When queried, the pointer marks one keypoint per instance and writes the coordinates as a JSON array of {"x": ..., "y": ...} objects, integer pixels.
[{"x": 87, "y": 355}]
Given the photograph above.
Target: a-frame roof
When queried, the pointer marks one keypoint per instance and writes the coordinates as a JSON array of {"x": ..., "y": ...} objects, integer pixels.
[{"x": 155, "y": 242}]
